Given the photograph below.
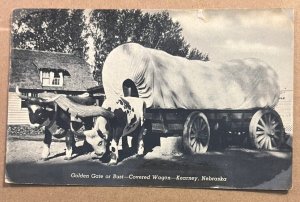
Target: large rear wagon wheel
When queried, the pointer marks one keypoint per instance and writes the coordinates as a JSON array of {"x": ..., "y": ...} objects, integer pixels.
[
  {"x": 266, "y": 130},
  {"x": 196, "y": 133}
]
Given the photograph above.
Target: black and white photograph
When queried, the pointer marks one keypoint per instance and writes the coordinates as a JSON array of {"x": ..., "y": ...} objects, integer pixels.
[{"x": 199, "y": 98}]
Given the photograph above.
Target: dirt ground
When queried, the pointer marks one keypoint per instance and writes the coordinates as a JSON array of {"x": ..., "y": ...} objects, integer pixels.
[
  {"x": 243, "y": 168},
  {"x": 30, "y": 151}
]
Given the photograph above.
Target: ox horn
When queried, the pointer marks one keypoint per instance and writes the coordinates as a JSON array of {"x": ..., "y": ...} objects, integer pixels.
[
  {"x": 20, "y": 94},
  {"x": 105, "y": 113}
]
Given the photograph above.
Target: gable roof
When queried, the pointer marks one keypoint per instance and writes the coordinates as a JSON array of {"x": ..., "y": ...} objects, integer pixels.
[{"x": 26, "y": 64}]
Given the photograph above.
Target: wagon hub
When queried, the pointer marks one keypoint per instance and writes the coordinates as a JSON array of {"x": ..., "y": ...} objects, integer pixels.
[
  {"x": 201, "y": 137},
  {"x": 269, "y": 131}
]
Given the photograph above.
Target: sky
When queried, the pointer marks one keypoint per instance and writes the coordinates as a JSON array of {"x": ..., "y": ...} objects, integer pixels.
[{"x": 237, "y": 34}]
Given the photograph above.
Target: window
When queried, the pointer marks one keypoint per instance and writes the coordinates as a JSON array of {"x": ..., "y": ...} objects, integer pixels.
[
  {"x": 34, "y": 94},
  {"x": 51, "y": 78},
  {"x": 46, "y": 78},
  {"x": 56, "y": 79}
]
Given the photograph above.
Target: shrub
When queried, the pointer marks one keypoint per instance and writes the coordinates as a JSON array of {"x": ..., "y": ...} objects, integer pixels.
[{"x": 23, "y": 130}]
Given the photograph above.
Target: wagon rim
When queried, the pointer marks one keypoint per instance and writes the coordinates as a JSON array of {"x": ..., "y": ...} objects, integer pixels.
[{"x": 266, "y": 130}]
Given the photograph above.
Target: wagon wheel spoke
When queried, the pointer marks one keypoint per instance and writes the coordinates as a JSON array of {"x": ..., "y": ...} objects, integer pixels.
[
  {"x": 274, "y": 143},
  {"x": 262, "y": 141},
  {"x": 272, "y": 121},
  {"x": 200, "y": 147},
  {"x": 203, "y": 136},
  {"x": 275, "y": 125},
  {"x": 269, "y": 117},
  {"x": 197, "y": 124},
  {"x": 203, "y": 127},
  {"x": 200, "y": 123},
  {"x": 193, "y": 137},
  {"x": 277, "y": 131},
  {"x": 260, "y": 132},
  {"x": 195, "y": 146},
  {"x": 260, "y": 126},
  {"x": 262, "y": 122},
  {"x": 266, "y": 143},
  {"x": 193, "y": 142},
  {"x": 275, "y": 136},
  {"x": 193, "y": 134},
  {"x": 269, "y": 143},
  {"x": 260, "y": 138},
  {"x": 193, "y": 130}
]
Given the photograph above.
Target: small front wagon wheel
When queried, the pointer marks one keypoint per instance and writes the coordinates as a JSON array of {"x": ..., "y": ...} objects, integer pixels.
[
  {"x": 266, "y": 130},
  {"x": 196, "y": 133}
]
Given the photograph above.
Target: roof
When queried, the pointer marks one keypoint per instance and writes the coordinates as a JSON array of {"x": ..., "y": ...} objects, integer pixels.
[
  {"x": 26, "y": 64},
  {"x": 96, "y": 89}
]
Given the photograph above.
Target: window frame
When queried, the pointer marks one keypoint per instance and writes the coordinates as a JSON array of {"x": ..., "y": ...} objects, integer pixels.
[
  {"x": 45, "y": 76},
  {"x": 57, "y": 79}
]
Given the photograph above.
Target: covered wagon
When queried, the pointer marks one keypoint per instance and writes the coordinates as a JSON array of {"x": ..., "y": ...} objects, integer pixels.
[{"x": 197, "y": 98}]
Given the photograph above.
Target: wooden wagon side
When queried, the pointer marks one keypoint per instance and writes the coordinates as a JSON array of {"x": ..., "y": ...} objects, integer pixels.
[{"x": 263, "y": 127}]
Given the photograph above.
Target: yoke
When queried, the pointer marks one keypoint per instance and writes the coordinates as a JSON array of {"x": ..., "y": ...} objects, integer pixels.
[{"x": 77, "y": 110}]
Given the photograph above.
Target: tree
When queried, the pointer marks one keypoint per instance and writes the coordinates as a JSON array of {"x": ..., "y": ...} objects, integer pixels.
[
  {"x": 195, "y": 54},
  {"x": 103, "y": 29},
  {"x": 48, "y": 30},
  {"x": 110, "y": 28},
  {"x": 166, "y": 35}
]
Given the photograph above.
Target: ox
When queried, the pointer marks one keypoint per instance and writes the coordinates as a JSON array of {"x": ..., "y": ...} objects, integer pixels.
[
  {"x": 56, "y": 122},
  {"x": 128, "y": 119}
]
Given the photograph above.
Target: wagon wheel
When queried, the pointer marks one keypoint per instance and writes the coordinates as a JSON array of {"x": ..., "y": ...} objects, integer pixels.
[
  {"x": 266, "y": 130},
  {"x": 196, "y": 133}
]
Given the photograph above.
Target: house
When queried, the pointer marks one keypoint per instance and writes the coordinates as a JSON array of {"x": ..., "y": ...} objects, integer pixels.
[{"x": 38, "y": 72}]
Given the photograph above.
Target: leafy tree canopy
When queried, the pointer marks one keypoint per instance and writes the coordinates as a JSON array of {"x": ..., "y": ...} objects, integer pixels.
[{"x": 48, "y": 30}]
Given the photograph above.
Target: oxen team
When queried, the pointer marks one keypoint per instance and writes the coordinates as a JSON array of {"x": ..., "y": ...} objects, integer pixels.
[{"x": 122, "y": 116}]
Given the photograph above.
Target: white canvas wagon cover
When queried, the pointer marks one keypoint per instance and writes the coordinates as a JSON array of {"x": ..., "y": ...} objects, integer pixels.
[{"x": 166, "y": 81}]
